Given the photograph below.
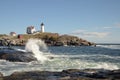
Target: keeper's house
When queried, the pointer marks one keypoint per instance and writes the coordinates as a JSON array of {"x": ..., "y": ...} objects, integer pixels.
[{"x": 31, "y": 30}]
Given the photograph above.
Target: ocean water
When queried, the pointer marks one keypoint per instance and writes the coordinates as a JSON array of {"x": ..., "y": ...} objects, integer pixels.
[{"x": 69, "y": 57}]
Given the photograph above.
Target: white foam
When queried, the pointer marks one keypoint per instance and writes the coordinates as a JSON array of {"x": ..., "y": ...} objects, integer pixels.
[
  {"x": 20, "y": 50},
  {"x": 36, "y": 46},
  {"x": 110, "y": 46},
  {"x": 56, "y": 64},
  {"x": 107, "y": 66}
]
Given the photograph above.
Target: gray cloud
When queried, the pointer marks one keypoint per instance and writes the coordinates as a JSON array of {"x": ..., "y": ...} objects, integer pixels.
[{"x": 117, "y": 24}]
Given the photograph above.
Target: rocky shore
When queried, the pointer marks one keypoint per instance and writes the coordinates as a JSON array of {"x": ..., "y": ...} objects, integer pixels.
[
  {"x": 51, "y": 39},
  {"x": 70, "y": 74}
]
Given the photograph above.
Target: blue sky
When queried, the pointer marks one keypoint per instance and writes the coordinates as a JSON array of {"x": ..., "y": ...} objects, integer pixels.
[{"x": 94, "y": 20}]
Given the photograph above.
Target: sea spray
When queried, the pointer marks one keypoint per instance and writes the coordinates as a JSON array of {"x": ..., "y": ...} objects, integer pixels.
[{"x": 36, "y": 46}]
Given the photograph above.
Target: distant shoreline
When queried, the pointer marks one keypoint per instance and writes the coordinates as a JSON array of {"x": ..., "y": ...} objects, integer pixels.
[{"x": 107, "y": 43}]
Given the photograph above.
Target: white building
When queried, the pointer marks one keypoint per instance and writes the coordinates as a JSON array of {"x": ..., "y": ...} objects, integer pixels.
[
  {"x": 42, "y": 27},
  {"x": 31, "y": 30},
  {"x": 13, "y": 34}
]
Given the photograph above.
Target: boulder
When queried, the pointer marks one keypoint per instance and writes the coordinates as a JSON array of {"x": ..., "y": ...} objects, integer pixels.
[
  {"x": 16, "y": 56},
  {"x": 85, "y": 43},
  {"x": 1, "y": 75}
]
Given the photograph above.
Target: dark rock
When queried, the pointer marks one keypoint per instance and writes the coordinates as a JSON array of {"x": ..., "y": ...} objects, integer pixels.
[
  {"x": 70, "y": 74},
  {"x": 94, "y": 73},
  {"x": 85, "y": 43},
  {"x": 1, "y": 75},
  {"x": 59, "y": 44},
  {"x": 33, "y": 75},
  {"x": 16, "y": 56}
]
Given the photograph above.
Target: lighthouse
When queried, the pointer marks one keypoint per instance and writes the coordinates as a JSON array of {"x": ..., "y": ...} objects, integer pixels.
[{"x": 42, "y": 27}]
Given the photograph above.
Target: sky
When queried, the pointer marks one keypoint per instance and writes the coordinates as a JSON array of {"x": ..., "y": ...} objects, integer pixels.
[{"x": 94, "y": 20}]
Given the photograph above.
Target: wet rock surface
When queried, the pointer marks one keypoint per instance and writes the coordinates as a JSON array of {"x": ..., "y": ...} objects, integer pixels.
[
  {"x": 1, "y": 75},
  {"x": 16, "y": 56},
  {"x": 70, "y": 74}
]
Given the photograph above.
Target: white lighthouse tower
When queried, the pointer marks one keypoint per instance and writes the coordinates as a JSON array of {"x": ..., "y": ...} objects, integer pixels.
[{"x": 42, "y": 28}]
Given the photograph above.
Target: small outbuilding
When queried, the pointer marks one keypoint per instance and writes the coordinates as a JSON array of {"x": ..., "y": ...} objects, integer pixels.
[{"x": 20, "y": 36}]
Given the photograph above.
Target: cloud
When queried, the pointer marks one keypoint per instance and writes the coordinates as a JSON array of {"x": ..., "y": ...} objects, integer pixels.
[
  {"x": 85, "y": 33},
  {"x": 117, "y": 25},
  {"x": 107, "y": 27}
]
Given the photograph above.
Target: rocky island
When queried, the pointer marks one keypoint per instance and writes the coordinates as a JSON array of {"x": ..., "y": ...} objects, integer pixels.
[{"x": 51, "y": 39}]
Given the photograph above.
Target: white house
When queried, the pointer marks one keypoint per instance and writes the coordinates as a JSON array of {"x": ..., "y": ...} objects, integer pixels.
[
  {"x": 13, "y": 34},
  {"x": 31, "y": 30}
]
